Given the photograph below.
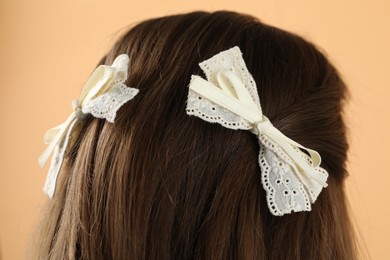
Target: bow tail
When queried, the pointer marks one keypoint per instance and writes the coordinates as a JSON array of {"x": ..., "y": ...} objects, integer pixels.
[
  {"x": 312, "y": 177},
  {"x": 306, "y": 171},
  {"x": 56, "y": 162},
  {"x": 53, "y": 137}
]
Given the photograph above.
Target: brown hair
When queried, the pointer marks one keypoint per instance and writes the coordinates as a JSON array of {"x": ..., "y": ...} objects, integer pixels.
[{"x": 159, "y": 184}]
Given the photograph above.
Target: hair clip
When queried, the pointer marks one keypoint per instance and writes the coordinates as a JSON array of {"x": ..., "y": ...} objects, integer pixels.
[
  {"x": 291, "y": 178},
  {"x": 102, "y": 96}
]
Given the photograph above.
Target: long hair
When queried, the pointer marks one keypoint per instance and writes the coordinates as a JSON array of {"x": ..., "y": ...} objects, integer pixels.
[{"x": 159, "y": 184}]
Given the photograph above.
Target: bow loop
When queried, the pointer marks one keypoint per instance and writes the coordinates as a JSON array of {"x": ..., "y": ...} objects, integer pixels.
[{"x": 230, "y": 83}]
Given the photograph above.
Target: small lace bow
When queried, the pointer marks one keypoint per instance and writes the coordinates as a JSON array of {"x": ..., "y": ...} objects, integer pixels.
[
  {"x": 102, "y": 96},
  {"x": 291, "y": 178}
]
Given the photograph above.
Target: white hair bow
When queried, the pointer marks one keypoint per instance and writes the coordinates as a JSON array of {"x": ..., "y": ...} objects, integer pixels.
[
  {"x": 291, "y": 178},
  {"x": 102, "y": 96}
]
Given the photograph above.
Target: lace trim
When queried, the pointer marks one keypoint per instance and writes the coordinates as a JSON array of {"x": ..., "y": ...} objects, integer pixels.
[
  {"x": 281, "y": 181},
  {"x": 231, "y": 60},
  {"x": 106, "y": 105},
  {"x": 210, "y": 112}
]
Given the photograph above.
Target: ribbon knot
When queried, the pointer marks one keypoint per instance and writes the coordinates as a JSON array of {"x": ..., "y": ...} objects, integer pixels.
[
  {"x": 264, "y": 126},
  {"x": 78, "y": 109}
]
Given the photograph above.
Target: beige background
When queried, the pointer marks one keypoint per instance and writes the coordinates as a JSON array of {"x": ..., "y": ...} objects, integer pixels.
[{"x": 49, "y": 48}]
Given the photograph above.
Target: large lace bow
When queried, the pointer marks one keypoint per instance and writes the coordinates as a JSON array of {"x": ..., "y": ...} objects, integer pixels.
[
  {"x": 292, "y": 179},
  {"x": 103, "y": 94}
]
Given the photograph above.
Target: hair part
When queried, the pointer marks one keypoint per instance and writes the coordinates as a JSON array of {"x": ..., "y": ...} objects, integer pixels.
[{"x": 159, "y": 184}]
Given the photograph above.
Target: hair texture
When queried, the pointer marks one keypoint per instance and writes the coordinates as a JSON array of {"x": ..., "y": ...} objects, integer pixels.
[{"x": 159, "y": 184}]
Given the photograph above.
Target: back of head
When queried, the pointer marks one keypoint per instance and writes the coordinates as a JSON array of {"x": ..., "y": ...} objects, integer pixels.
[{"x": 159, "y": 184}]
